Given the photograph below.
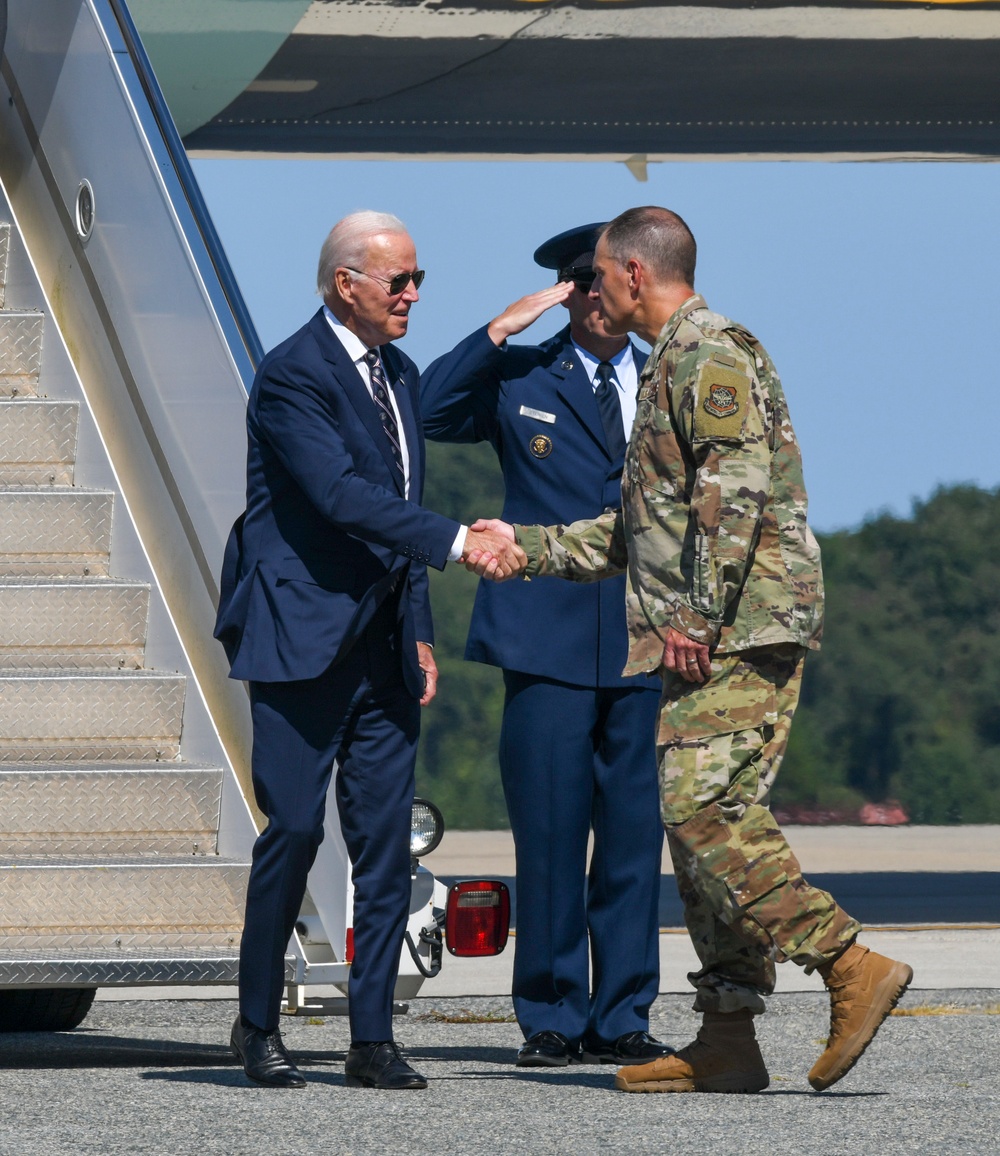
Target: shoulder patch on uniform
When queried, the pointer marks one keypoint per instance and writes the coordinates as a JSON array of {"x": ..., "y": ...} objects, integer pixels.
[
  {"x": 720, "y": 402},
  {"x": 724, "y": 359}
]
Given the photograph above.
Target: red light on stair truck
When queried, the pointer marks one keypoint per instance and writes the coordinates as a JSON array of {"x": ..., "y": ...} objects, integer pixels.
[{"x": 478, "y": 917}]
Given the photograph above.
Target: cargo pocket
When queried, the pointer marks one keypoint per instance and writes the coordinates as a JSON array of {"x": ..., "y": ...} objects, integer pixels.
[
  {"x": 739, "y": 868},
  {"x": 736, "y": 698}
]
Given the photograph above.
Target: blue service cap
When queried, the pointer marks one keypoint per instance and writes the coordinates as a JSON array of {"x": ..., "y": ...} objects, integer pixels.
[{"x": 573, "y": 249}]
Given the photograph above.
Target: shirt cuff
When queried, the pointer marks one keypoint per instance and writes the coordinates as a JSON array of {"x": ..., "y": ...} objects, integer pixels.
[
  {"x": 458, "y": 546},
  {"x": 695, "y": 626},
  {"x": 529, "y": 538}
]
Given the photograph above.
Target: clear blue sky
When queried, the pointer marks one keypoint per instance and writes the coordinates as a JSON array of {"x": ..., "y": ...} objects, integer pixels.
[{"x": 876, "y": 287}]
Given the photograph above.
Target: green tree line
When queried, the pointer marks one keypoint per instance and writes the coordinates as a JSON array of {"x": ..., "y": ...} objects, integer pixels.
[{"x": 902, "y": 702}]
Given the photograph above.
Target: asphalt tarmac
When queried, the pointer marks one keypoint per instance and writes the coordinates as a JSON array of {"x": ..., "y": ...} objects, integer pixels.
[
  {"x": 880, "y": 897},
  {"x": 149, "y": 1071},
  {"x": 156, "y": 1077},
  {"x": 881, "y": 875}
]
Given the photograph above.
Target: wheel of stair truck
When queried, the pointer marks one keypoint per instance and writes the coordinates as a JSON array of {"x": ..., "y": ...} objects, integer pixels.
[{"x": 45, "y": 1009}]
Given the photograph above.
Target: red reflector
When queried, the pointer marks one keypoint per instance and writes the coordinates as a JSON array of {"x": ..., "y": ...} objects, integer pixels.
[
  {"x": 349, "y": 952},
  {"x": 478, "y": 917}
]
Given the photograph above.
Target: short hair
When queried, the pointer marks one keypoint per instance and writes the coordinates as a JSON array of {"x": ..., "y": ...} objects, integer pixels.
[
  {"x": 656, "y": 237},
  {"x": 347, "y": 243}
]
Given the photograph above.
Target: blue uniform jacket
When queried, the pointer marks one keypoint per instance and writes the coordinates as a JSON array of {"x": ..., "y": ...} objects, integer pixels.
[
  {"x": 556, "y": 469},
  {"x": 327, "y": 534}
]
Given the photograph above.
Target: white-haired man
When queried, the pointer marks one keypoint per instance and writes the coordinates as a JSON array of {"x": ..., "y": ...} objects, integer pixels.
[{"x": 324, "y": 611}]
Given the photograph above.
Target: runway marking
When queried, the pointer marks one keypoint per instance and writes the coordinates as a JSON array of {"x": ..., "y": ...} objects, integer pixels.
[{"x": 946, "y": 1009}]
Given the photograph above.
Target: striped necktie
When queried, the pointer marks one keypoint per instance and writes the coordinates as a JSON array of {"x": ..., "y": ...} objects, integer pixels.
[{"x": 380, "y": 392}]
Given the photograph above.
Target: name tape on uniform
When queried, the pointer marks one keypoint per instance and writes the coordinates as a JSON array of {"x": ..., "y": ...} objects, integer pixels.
[{"x": 538, "y": 414}]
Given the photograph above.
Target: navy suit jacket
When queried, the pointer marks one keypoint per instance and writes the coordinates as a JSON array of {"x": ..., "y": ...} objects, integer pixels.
[
  {"x": 327, "y": 535},
  {"x": 572, "y": 632}
]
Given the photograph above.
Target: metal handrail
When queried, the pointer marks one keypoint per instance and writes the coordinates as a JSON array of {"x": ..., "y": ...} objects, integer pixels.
[{"x": 189, "y": 182}]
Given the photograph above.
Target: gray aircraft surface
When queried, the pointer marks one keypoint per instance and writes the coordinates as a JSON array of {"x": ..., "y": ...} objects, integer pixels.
[{"x": 628, "y": 79}]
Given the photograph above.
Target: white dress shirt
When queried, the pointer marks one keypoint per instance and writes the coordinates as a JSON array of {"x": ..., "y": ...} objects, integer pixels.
[{"x": 625, "y": 377}]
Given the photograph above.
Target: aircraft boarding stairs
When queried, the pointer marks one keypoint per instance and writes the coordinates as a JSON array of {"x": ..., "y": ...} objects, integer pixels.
[
  {"x": 126, "y": 353},
  {"x": 109, "y": 864}
]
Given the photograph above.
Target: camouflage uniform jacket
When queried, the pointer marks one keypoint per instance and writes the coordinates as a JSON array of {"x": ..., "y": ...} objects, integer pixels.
[{"x": 712, "y": 529}]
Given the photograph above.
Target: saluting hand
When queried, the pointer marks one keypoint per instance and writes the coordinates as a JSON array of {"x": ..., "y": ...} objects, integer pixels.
[{"x": 525, "y": 312}]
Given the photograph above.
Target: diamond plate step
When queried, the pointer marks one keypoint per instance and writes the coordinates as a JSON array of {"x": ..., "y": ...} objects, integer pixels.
[
  {"x": 55, "y": 531},
  {"x": 20, "y": 352},
  {"x": 125, "y": 903},
  {"x": 71, "y": 623},
  {"x": 96, "y": 809},
  {"x": 90, "y": 715},
  {"x": 70, "y": 968},
  {"x": 38, "y": 442}
]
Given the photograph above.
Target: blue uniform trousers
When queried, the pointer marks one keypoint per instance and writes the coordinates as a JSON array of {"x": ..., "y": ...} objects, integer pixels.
[
  {"x": 359, "y": 713},
  {"x": 572, "y": 758}
]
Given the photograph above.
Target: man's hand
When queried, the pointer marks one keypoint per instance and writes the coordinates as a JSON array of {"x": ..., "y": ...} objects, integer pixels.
[
  {"x": 523, "y": 313},
  {"x": 686, "y": 657},
  {"x": 425, "y": 659},
  {"x": 491, "y": 552},
  {"x": 496, "y": 526}
]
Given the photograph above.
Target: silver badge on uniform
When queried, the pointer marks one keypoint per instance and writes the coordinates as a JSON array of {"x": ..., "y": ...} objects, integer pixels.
[{"x": 537, "y": 414}]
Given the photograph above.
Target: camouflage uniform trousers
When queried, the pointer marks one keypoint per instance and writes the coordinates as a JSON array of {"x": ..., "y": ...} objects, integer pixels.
[{"x": 746, "y": 904}]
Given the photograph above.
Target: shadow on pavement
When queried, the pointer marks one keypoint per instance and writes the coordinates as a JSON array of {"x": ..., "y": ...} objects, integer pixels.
[
  {"x": 62, "y": 1050},
  {"x": 234, "y": 1078}
]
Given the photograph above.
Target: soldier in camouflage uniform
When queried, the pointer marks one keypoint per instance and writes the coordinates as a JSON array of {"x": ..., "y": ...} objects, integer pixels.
[{"x": 725, "y": 598}]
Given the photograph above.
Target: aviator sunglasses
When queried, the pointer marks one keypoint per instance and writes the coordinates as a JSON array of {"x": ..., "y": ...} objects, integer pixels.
[
  {"x": 395, "y": 285},
  {"x": 582, "y": 278}
]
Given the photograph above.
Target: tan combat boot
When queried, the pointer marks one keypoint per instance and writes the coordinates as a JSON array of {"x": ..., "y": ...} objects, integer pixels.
[
  {"x": 864, "y": 987},
  {"x": 723, "y": 1058}
]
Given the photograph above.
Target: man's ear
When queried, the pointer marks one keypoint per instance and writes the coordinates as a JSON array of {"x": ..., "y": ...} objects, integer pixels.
[
  {"x": 342, "y": 286},
  {"x": 634, "y": 270}
]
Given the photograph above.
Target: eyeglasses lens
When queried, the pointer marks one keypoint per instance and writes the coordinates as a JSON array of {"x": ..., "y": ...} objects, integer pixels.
[
  {"x": 399, "y": 283},
  {"x": 581, "y": 278}
]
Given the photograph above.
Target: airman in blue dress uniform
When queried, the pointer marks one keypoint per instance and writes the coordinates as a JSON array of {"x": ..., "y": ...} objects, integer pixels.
[{"x": 577, "y": 742}]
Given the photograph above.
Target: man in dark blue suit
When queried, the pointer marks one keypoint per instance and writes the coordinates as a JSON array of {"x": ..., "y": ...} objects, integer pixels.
[
  {"x": 577, "y": 742},
  {"x": 324, "y": 611}
]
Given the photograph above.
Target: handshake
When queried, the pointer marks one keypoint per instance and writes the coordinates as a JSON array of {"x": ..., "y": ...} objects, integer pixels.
[{"x": 491, "y": 552}]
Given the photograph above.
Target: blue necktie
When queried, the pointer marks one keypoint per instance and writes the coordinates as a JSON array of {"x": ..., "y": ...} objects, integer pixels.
[
  {"x": 610, "y": 409},
  {"x": 380, "y": 392}
]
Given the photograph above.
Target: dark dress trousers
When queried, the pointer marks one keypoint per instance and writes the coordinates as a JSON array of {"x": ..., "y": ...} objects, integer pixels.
[
  {"x": 577, "y": 742},
  {"x": 324, "y": 597}
]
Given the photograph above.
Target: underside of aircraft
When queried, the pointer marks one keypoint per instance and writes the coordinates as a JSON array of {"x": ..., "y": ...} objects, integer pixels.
[{"x": 595, "y": 79}]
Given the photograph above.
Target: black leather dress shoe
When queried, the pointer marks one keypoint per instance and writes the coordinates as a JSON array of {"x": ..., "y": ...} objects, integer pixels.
[
  {"x": 547, "y": 1050},
  {"x": 633, "y": 1048},
  {"x": 264, "y": 1058},
  {"x": 380, "y": 1065}
]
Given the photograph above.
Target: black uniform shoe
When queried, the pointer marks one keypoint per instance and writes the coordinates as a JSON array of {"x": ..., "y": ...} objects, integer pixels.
[
  {"x": 380, "y": 1065},
  {"x": 264, "y": 1058},
  {"x": 547, "y": 1050},
  {"x": 633, "y": 1048}
]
